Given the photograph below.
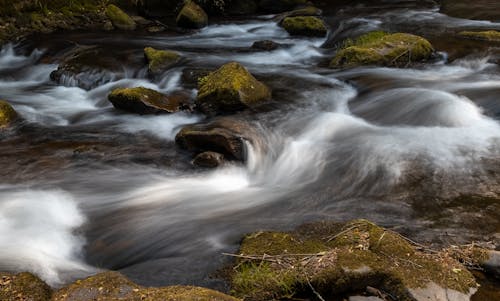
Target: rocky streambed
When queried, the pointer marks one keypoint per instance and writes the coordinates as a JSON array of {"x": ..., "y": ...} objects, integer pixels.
[{"x": 152, "y": 145}]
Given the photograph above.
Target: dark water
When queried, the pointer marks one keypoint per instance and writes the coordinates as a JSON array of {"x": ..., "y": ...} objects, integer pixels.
[{"x": 86, "y": 187}]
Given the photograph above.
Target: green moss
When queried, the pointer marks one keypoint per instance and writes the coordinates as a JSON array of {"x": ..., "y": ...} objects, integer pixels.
[
  {"x": 144, "y": 101},
  {"x": 490, "y": 35},
  {"x": 340, "y": 260},
  {"x": 192, "y": 16},
  {"x": 23, "y": 286},
  {"x": 119, "y": 18},
  {"x": 379, "y": 48},
  {"x": 7, "y": 114},
  {"x": 160, "y": 60},
  {"x": 230, "y": 88},
  {"x": 305, "y": 25}
]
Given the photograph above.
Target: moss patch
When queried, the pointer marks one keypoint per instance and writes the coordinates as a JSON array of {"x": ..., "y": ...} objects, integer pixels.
[
  {"x": 192, "y": 16},
  {"x": 230, "y": 88},
  {"x": 380, "y": 48},
  {"x": 490, "y": 35},
  {"x": 340, "y": 259},
  {"x": 23, "y": 286},
  {"x": 7, "y": 114},
  {"x": 305, "y": 25},
  {"x": 119, "y": 18},
  {"x": 160, "y": 60},
  {"x": 145, "y": 101}
]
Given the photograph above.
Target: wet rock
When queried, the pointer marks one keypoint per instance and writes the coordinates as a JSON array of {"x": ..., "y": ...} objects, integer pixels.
[
  {"x": 241, "y": 7},
  {"x": 490, "y": 35},
  {"x": 142, "y": 100},
  {"x": 380, "y": 48},
  {"x": 191, "y": 76},
  {"x": 278, "y": 6},
  {"x": 119, "y": 18},
  {"x": 160, "y": 60},
  {"x": 88, "y": 67},
  {"x": 226, "y": 136},
  {"x": 209, "y": 160},
  {"x": 230, "y": 88},
  {"x": 7, "y": 114},
  {"x": 305, "y": 26},
  {"x": 114, "y": 286},
  {"x": 478, "y": 9},
  {"x": 305, "y": 11},
  {"x": 23, "y": 286},
  {"x": 344, "y": 259},
  {"x": 266, "y": 45},
  {"x": 192, "y": 16}
]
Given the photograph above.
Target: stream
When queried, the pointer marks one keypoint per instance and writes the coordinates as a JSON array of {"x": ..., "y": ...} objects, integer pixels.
[{"x": 85, "y": 187}]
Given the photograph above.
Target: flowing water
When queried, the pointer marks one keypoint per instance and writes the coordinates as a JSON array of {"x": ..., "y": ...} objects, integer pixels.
[{"x": 86, "y": 187}]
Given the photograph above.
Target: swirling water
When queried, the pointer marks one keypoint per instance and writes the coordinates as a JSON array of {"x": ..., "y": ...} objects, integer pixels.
[{"x": 87, "y": 187}]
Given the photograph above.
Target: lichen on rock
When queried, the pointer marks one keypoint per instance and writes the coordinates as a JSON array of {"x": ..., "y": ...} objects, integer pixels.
[
  {"x": 160, "y": 60},
  {"x": 380, "y": 48},
  {"x": 119, "y": 18},
  {"x": 340, "y": 259},
  {"x": 230, "y": 88},
  {"x": 305, "y": 26}
]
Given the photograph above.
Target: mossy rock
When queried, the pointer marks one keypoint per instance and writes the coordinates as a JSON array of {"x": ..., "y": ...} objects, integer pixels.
[
  {"x": 111, "y": 286},
  {"x": 160, "y": 60},
  {"x": 384, "y": 49},
  {"x": 230, "y": 88},
  {"x": 343, "y": 259},
  {"x": 7, "y": 114},
  {"x": 23, "y": 286},
  {"x": 278, "y": 6},
  {"x": 119, "y": 18},
  {"x": 192, "y": 16},
  {"x": 305, "y": 26},
  {"x": 225, "y": 135},
  {"x": 142, "y": 100},
  {"x": 304, "y": 11},
  {"x": 490, "y": 35}
]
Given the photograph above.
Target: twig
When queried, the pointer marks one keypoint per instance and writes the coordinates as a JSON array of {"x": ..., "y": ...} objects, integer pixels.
[{"x": 313, "y": 290}]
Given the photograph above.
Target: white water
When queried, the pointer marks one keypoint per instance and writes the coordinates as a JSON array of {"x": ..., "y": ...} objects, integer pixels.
[{"x": 329, "y": 142}]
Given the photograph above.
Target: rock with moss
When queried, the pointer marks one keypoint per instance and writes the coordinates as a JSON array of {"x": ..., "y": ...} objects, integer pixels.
[
  {"x": 305, "y": 26},
  {"x": 192, "y": 16},
  {"x": 266, "y": 45},
  {"x": 109, "y": 286},
  {"x": 384, "y": 49},
  {"x": 23, "y": 286},
  {"x": 339, "y": 260},
  {"x": 230, "y": 88},
  {"x": 119, "y": 18},
  {"x": 209, "y": 160},
  {"x": 160, "y": 60},
  {"x": 304, "y": 11},
  {"x": 225, "y": 135},
  {"x": 142, "y": 100},
  {"x": 7, "y": 114},
  {"x": 490, "y": 35},
  {"x": 278, "y": 6}
]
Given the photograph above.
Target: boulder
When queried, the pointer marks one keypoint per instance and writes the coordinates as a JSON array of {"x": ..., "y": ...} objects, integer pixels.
[
  {"x": 160, "y": 60},
  {"x": 208, "y": 160},
  {"x": 192, "y": 16},
  {"x": 119, "y": 18},
  {"x": 230, "y": 88},
  {"x": 147, "y": 101},
  {"x": 305, "y": 26},
  {"x": 114, "y": 286},
  {"x": 192, "y": 75},
  {"x": 490, "y": 35},
  {"x": 226, "y": 136},
  {"x": 304, "y": 11},
  {"x": 380, "y": 48},
  {"x": 278, "y": 6},
  {"x": 7, "y": 114},
  {"x": 332, "y": 259},
  {"x": 23, "y": 286},
  {"x": 266, "y": 45}
]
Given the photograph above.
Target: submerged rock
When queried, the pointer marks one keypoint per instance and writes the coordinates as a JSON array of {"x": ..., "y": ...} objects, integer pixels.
[
  {"x": 160, "y": 60},
  {"x": 209, "y": 160},
  {"x": 119, "y": 18},
  {"x": 192, "y": 16},
  {"x": 23, "y": 286},
  {"x": 230, "y": 88},
  {"x": 278, "y": 6},
  {"x": 490, "y": 35},
  {"x": 226, "y": 136},
  {"x": 266, "y": 45},
  {"x": 7, "y": 114},
  {"x": 305, "y": 26},
  {"x": 146, "y": 101},
  {"x": 380, "y": 48},
  {"x": 342, "y": 260}
]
